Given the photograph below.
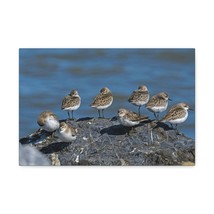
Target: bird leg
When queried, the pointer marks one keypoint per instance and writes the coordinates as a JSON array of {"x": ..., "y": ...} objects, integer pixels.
[
  {"x": 99, "y": 113},
  {"x": 176, "y": 128},
  {"x": 139, "y": 110},
  {"x": 69, "y": 115}
]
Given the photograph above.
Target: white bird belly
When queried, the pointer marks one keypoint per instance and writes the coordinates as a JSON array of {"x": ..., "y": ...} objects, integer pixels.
[
  {"x": 51, "y": 125},
  {"x": 73, "y": 108},
  {"x": 126, "y": 122},
  {"x": 65, "y": 136},
  {"x": 140, "y": 103},
  {"x": 179, "y": 120},
  {"x": 158, "y": 108},
  {"x": 103, "y": 107}
]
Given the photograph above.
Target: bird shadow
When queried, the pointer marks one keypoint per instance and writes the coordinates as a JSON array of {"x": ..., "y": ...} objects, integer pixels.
[
  {"x": 163, "y": 125},
  {"x": 84, "y": 119},
  {"x": 114, "y": 118},
  {"x": 118, "y": 129},
  {"x": 54, "y": 147},
  {"x": 115, "y": 130}
]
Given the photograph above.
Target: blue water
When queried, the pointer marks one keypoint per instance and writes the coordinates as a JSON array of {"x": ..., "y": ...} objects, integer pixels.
[{"x": 47, "y": 75}]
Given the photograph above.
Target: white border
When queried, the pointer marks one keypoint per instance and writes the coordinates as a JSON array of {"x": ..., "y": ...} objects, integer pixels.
[{"x": 106, "y": 24}]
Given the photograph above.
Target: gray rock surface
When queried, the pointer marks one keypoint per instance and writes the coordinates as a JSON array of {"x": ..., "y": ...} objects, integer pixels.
[{"x": 104, "y": 142}]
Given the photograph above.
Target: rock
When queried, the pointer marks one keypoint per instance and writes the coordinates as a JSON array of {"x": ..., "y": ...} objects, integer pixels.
[
  {"x": 105, "y": 142},
  {"x": 187, "y": 163},
  {"x": 55, "y": 160}
]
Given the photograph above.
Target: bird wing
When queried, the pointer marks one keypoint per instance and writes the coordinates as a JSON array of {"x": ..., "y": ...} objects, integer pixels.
[
  {"x": 154, "y": 102},
  {"x": 69, "y": 101},
  {"x": 141, "y": 95},
  {"x": 102, "y": 99},
  {"x": 65, "y": 102},
  {"x": 174, "y": 113},
  {"x": 136, "y": 117}
]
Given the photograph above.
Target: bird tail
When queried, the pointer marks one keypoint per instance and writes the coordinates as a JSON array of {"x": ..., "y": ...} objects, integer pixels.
[
  {"x": 144, "y": 118},
  {"x": 162, "y": 120}
]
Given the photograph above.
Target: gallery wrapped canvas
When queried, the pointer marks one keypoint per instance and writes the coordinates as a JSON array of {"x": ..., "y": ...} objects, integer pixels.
[{"x": 107, "y": 106}]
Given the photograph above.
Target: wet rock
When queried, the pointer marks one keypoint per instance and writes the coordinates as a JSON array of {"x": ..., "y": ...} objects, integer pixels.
[{"x": 105, "y": 142}]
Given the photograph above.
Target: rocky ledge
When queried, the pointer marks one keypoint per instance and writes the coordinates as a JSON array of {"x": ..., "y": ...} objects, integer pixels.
[{"x": 104, "y": 142}]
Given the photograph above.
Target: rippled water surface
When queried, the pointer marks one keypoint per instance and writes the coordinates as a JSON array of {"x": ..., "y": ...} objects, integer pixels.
[{"x": 47, "y": 75}]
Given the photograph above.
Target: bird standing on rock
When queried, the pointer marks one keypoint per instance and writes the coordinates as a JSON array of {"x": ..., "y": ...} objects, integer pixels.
[
  {"x": 71, "y": 102},
  {"x": 177, "y": 114},
  {"x": 158, "y": 103},
  {"x": 139, "y": 97},
  {"x": 103, "y": 100}
]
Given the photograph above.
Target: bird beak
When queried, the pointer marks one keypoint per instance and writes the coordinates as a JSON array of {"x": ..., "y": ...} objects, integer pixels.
[
  {"x": 191, "y": 109},
  {"x": 170, "y": 99}
]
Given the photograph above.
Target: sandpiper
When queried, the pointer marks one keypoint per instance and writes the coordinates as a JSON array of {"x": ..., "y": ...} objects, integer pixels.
[
  {"x": 71, "y": 102},
  {"x": 177, "y": 114},
  {"x": 129, "y": 118},
  {"x": 103, "y": 100},
  {"x": 66, "y": 133},
  {"x": 158, "y": 103},
  {"x": 139, "y": 97},
  {"x": 48, "y": 121}
]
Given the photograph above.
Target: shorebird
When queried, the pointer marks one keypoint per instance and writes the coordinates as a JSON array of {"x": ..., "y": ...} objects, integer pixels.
[
  {"x": 177, "y": 114},
  {"x": 103, "y": 100},
  {"x": 66, "y": 133},
  {"x": 158, "y": 103},
  {"x": 71, "y": 102},
  {"x": 48, "y": 121},
  {"x": 129, "y": 118},
  {"x": 139, "y": 97}
]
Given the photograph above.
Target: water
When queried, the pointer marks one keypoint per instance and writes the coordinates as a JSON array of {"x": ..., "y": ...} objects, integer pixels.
[{"x": 47, "y": 75}]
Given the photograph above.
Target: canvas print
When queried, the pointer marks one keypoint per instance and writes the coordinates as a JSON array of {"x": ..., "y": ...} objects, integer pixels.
[{"x": 107, "y": 107}]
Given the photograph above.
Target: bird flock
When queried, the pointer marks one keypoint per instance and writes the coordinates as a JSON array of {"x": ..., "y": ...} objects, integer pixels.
[{"x": 158, "y": 103}]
